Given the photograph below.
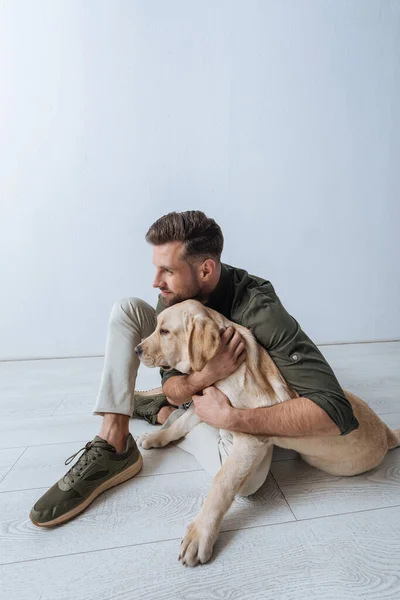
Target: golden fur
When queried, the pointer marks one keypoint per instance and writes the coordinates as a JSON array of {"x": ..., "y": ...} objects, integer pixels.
[{"x": 193, "y": 338}]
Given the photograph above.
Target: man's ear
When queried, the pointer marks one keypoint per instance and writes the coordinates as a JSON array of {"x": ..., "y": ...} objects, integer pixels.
[{"x": 203, "y": 341}]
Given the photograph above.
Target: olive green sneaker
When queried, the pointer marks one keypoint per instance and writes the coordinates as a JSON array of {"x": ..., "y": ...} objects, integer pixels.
[
  {"x": 99, "y": 468},
  {"x": 147, "y": 404}
]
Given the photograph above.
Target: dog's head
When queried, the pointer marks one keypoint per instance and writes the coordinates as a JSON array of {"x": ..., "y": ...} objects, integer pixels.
[{"x": 186, "y": 338}]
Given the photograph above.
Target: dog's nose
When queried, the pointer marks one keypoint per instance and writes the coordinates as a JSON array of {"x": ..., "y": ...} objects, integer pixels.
[{"x": 139, "y": 350}]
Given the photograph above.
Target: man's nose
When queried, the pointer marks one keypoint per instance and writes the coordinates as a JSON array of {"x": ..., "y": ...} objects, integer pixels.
[
  {"x": 139, "y": 350},
  {"x": 157, "y": 280}
]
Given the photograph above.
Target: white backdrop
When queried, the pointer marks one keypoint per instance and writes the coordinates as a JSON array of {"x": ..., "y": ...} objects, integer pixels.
[{"x": 279, "y": 119}]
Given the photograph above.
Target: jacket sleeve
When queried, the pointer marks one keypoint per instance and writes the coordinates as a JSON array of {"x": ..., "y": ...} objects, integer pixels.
[
  {"x": 298, "y": 359},
  {"x": 167, "y": 374}
]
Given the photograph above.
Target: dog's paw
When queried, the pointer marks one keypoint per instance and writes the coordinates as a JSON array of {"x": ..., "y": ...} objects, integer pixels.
[
  {"x": 197, "y": 546},
  {"x": 152, "y": 440}
]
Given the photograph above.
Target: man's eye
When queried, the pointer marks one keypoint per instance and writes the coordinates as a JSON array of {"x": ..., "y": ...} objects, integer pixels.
[{"x": 164, "y": 331}]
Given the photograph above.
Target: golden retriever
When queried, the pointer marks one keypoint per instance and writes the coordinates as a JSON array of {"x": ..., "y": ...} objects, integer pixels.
[{"x": 186, "y": 337}]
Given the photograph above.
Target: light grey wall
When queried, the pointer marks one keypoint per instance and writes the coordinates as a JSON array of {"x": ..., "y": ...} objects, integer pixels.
[{"x": 279, "y": 119}]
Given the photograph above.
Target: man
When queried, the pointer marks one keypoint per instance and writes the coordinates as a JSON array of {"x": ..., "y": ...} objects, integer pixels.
[{"x": 186, "y": 253}]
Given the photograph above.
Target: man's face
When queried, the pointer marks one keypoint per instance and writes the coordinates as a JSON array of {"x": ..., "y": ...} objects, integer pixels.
[{"x": 177, "y": 279}]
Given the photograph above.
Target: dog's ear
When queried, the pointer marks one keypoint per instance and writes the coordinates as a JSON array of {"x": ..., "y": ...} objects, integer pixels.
[{"x": 203, "y": 341}]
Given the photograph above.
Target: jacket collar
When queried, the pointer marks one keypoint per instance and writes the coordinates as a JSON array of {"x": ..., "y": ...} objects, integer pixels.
[{"x": 221, "y": 295}]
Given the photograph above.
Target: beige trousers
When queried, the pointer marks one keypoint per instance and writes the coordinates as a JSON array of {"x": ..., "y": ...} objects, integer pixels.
[{"x": 132, "y": 320}]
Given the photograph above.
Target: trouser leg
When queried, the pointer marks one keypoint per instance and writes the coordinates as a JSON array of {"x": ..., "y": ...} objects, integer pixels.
[{"x": 131, "y": 320}]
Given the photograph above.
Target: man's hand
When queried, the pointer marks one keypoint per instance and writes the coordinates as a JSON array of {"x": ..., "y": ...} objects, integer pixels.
[
  {"x": 213, "y": 407},
  {"x": 231, "y": 354}
]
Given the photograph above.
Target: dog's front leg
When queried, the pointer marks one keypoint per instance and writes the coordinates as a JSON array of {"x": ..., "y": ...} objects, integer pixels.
[
  {"x": 246, "y": 455},
  {"x": 179, "y": 428}
]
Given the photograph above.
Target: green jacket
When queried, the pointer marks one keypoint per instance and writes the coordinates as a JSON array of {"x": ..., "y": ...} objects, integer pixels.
[{"x": 252, "y": 302}]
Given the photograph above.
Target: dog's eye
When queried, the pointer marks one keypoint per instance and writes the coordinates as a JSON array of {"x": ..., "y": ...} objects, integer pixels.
[{"x": 164, "y": 331}]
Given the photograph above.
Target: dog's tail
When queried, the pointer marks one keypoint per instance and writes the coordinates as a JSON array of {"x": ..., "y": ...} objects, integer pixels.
[{"x": 393, "y": 438}]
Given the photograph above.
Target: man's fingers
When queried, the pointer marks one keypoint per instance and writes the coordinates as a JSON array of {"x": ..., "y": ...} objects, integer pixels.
[
  {"x": 239, "y": 348},
  {"x": 235, "y": 341},
  {"x": 227, "y": 334},
  {"x": 242, "y": 357},
  {"x": 200, "y": 395}
]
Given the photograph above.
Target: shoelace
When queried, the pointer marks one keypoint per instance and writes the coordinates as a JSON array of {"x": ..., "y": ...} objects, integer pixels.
[{"x": 91, "y": 452}]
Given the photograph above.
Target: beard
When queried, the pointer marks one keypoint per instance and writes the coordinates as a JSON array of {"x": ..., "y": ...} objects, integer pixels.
[
  {"x": 176, "y": 298},
  {"x": 192, "y": 292}
]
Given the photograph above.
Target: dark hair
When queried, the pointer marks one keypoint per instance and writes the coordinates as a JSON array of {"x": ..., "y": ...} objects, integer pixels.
[{"x": 202, "y": 236}]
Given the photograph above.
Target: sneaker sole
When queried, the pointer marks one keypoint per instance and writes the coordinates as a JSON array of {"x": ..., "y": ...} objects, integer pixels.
[
  {"x": 106, "y": 485},
  {"x": 148, "y": 393}
]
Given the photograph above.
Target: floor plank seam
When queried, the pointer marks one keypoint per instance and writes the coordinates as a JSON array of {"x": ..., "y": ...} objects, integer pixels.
[
  {"x": 13, "y": 465},
  {"x": 226, "y": 531},
  {"x": 284, "y": 497},
  {"x": 351, "y": 512},
  {"x": 5, "y": 474},
  {"x": 137, "y": 476},
  {"x": 38, "y": 445},
  {"x": 52, "y": 414},
  {"x": 178, "y": 539}
]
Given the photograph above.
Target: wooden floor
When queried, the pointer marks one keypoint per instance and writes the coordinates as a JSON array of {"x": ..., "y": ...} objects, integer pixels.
[{"x": 304, "y": 535}]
